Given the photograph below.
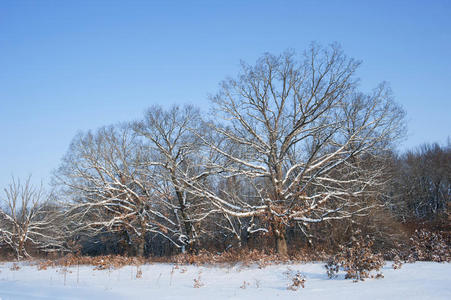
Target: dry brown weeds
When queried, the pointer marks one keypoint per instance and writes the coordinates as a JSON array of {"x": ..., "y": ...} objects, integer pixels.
[{"x": 245, "y": 257}]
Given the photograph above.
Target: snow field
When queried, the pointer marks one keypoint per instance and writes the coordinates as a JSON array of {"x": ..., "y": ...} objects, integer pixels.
[{"x": 422, "y": 280}]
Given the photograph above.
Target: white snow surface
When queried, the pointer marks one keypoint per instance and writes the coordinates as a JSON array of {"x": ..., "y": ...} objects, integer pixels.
[{"x": 421, "y": 280}]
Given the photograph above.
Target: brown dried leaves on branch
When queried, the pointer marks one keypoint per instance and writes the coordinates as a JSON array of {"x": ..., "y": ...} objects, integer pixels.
[
  {"x": 357, "y": 260},
  {"x": 429, "y": 246}
]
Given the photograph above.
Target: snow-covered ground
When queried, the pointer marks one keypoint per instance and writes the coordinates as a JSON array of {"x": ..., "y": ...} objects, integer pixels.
[{"x": 422, "y": 280}]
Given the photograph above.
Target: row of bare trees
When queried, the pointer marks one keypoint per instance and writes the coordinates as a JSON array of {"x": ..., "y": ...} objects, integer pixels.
[
  {"x": 421, "y": 188},
  {"x": 289, "y": 143}
]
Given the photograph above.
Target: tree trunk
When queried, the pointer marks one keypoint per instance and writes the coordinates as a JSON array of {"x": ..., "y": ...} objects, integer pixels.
[
  {"x": 21, "y": 250},
  {"x": 280, "y": 240},
  {"x": 141, "y": 245},
  {"x": 141, "y": 239},
  {"x": 281, "y": 244},
  {"x": 191, "y": 246}
]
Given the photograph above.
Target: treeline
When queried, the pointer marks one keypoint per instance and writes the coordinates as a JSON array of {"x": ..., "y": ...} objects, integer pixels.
[
  {"x": 293, "y": 155},
  {"x": 421, "y": 184}
]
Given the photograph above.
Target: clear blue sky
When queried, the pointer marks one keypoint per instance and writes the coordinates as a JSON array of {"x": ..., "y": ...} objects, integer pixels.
[{"x": 67, "y": 66}]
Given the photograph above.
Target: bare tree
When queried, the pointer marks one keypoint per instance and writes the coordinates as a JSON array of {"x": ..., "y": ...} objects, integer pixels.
[
  {"x": 107, "y": 180},
  {"x": 176, "y": 156},
  {"x": 299, "y": 134},
  {"x": 28, "y": 220}
]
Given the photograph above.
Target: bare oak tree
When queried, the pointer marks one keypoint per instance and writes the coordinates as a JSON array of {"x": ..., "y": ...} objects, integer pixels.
[{"x": 299, "y": 133}]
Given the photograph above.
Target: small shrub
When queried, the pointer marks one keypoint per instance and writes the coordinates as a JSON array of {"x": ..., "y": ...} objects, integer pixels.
[
  {"x": 356, "y": 259},
  {"x": 244, "y": 285},
  {"x": 397, "y": 263},
  {"x": 257, "y": 283},
  {"x": 43, "y": 265},
  {"x": 198, "y": 282},
  {"x": 297, "y": 281},
  {"x": 14, "y": 267},
  {"x": 139, "y": 272},
  {"x": 429, "y": 246}
]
